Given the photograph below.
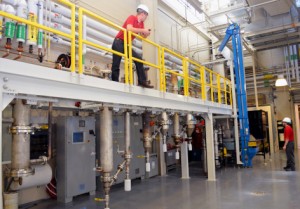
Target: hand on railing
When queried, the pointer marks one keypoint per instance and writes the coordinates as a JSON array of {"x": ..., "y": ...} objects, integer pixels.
[{"x": 146, "y": 32}]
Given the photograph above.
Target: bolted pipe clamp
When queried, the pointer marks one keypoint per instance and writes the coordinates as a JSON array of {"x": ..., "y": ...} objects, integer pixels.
[{"x": 21, "y": 130}]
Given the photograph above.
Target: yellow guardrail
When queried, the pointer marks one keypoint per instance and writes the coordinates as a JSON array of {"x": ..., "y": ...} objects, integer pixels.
[
  {"x": 209, "y": 85},
  {"x": 81, "y": 41},
  {"x": 131, "y": 58},
  {"x": 71, "y": 36}
]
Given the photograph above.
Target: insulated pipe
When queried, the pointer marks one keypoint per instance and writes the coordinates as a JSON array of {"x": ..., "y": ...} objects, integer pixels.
[
  {"x": 106, "y": 141},
  {"x": 20, "y": 160},
  {"x": 110, "y": 31},
  {"x": 291, "y": 60},
  {"x": 58, "y": 8},
  {"x": 106, "y": 150},
  {"x": 176, "y": 136},
  {"x": 165, "y": 128},
  {"x": 32, "y": 30},
  {"x": 147, "y": 139},
  {"x": 41, "y": 21},
  {"x": 296, "y": 62},
  {"x": 21, "y": 27},
  {"x": 128, "y": 154}
]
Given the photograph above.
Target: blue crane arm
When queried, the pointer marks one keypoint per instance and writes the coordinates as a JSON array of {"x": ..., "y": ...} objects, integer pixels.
[{"x": 233, "y": 31}]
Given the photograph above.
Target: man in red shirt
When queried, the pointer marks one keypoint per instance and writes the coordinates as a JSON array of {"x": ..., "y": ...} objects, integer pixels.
[
  {"x": 289, "y": 144},
  {"x": 134, "y": 24}
]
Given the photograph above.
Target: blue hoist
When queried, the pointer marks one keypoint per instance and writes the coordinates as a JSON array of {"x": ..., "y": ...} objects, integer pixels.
[{"x": 233, "y": 31}]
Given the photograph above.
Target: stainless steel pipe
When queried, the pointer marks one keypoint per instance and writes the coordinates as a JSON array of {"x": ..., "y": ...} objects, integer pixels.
[
  {"x": 106, "y": 141},
  {"x": 20, "y": 159}
]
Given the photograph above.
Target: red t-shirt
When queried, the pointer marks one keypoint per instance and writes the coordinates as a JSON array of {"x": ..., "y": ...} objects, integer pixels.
[
  {"x": 131, "y": 20},
  {"x": 288, "y": 133}
]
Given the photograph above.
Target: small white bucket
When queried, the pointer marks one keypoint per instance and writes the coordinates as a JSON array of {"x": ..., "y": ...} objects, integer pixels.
[{"x": 11, "y": 200}]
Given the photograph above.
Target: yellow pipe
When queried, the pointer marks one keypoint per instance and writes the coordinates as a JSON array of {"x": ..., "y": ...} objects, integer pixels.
[
  {"x": 186, "y": 78},
  {"x": 126, "y": 57},
  {"x": 145, "y": 62},
  {"x": 211, "y": 88},
  {"x": 102, "y": 47},
  {"x": 219, "y": 89},
  {"x": 130, "y": 58},
  {"x": 159, "y": 61},
  {"x": 101, "y": 19},
  {"x": 80, "y": 45},
  {"x": 27, "y": 22},
  {"x": 67, "y": 3},
  {"x": 162, "y": 71},
  {"x": 203, "y": 85},
  {"x": 73, "y": 34}
]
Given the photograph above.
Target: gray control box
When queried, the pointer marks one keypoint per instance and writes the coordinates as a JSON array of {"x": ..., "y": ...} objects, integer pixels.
[{"x": 75, "y": 157}]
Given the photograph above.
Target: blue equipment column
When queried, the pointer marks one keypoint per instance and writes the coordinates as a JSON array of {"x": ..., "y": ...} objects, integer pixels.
[{"x": 233, "y": 31}]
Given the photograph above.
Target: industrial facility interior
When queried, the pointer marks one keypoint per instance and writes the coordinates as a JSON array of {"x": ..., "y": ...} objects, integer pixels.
[{"x": 208, "y": 135}]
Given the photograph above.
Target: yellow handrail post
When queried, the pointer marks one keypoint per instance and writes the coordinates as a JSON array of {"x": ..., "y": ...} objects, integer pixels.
[
  {"x": 186, "y": 77},
  {"x": 162, "y": 71},
  {"x": 73, "y": 41},
  {"x": 211, "y": 86},
  {"x": 126, "y": 56},
  {"x": 225, "y": 91},
  {"x": 219, "y": 88},
  {"x": 130, "y": 58},
  {"x": 80, "y": 45},
  {"x": 159, "y": 61},
  {"x": 203, "y": 81}
]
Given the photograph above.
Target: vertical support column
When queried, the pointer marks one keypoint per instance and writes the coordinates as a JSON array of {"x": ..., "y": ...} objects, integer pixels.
[
  {"x": 254, "y": 78},
  {"x": 184, "y": 161},
  {"x": 161, "y": 157},
  {"x": 235, "y": 120},
  {"x": 211, "y": 172},
  {"x": 1, "y": 172}
]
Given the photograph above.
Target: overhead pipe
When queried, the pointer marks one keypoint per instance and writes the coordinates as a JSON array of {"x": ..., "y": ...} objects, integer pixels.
[
  {"x": 291, "y": 60},
  {"x": 106, "y": 150},
  {"x": 147, "y": 139},
  {"x": 58, "y": 8},
  {"x": 296, "y": 62}
]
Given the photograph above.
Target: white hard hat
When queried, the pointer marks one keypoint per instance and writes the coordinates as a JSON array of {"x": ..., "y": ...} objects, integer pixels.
[
  {"x": 287, "y": 120},
  {"x": 143, "y": 7}
]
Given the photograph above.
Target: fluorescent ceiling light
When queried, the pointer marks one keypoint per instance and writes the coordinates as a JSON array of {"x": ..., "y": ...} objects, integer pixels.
[{"x": 281, "y": 81}]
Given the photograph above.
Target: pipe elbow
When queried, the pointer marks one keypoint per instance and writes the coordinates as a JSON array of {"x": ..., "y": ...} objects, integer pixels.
[
  {"x": 22, "y": 3},
  {"x": 9, "y": 9}
]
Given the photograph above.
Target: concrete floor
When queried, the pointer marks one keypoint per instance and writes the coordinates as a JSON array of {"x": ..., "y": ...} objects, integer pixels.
[{"x": 265, "y": 186}]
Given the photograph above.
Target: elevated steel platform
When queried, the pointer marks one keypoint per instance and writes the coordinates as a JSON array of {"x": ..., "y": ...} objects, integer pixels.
[{"x": 19, "y": 78}]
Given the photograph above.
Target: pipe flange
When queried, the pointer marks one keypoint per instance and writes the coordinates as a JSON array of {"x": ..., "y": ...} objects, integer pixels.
[
  {"x": 128, "y": 156},
  {"x": 21, "y": 172},
  {"x": 106, "y": 179},
  {"x": 148, "y": 139},
  {"x": 21, "y": 129}
]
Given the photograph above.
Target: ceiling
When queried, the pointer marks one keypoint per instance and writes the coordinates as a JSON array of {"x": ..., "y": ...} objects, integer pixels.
[{"x": 265, "y": 24}]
